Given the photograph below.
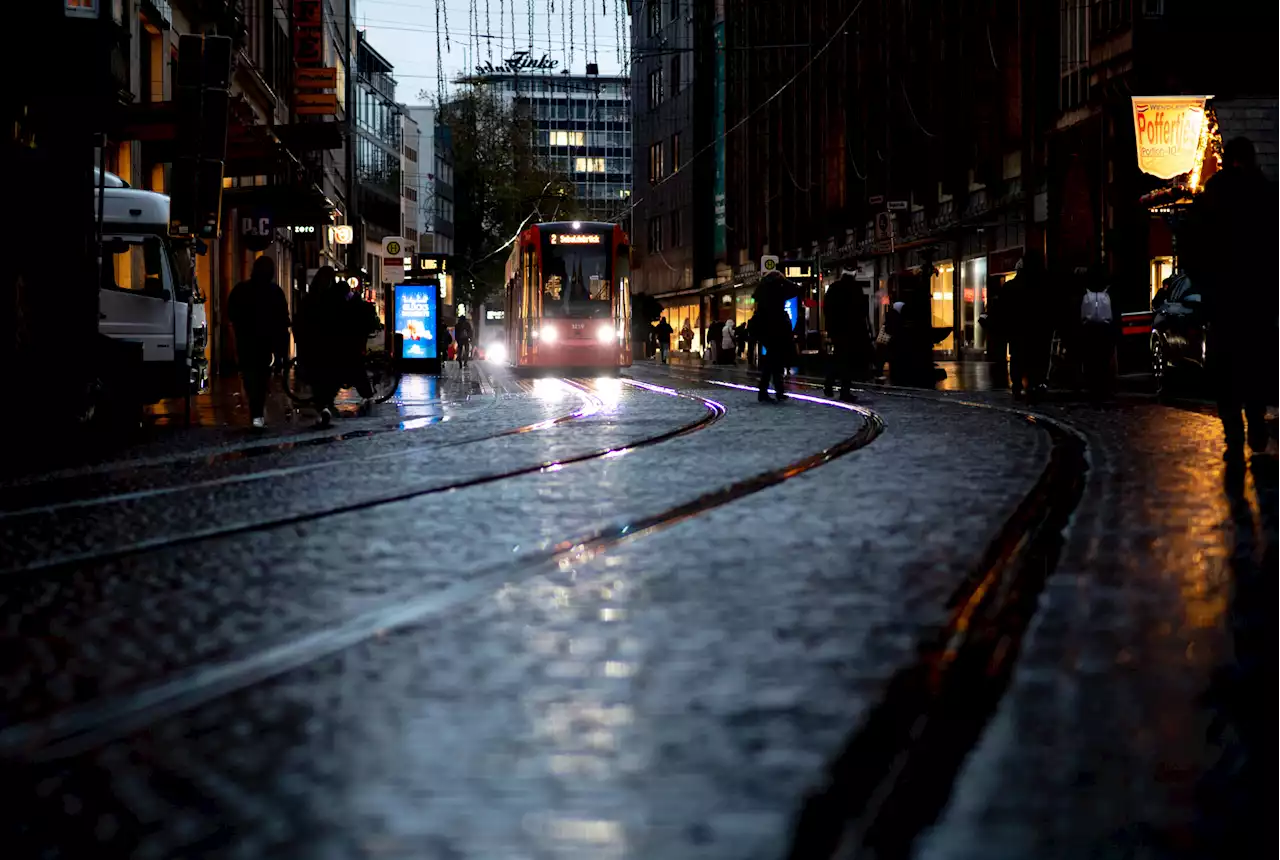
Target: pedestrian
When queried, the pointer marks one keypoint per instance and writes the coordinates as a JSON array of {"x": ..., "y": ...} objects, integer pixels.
[
  {"x": 772, "y": 330},
  {"x": 727, "y": 348},
  {"x": 713, "y": 341},
  {"x": 1023, "y": 315},
  {"x": 260, "y": 319},
  {"x": 1098, "y": 335},
  {"x": 662, "y": 335},
  {"x": 463, "y": 334},
  {"x": 334, "y": 327},
  {"x": 686, "y": 336},
  {"x": 850, "y": 336},
  {"x": 1228, "y": 231}
]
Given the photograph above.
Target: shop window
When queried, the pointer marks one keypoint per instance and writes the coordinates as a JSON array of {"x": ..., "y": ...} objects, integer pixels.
[
  {"x": 1161, "y": 268},
  {"x": 943, "y": 302}
]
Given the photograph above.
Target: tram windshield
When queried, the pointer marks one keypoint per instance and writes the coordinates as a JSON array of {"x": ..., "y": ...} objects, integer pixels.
[{"x": 575, "y": 276}]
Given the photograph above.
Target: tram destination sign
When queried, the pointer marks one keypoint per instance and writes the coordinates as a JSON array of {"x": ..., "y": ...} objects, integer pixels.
[
  {"x": 576, "y": 239},
  {"x": 520, "y": 61}
]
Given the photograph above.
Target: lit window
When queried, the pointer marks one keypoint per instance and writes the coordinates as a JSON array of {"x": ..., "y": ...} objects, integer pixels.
[
  {"x": 588, "y": 165},
  {"x": 568, "y": 138}
]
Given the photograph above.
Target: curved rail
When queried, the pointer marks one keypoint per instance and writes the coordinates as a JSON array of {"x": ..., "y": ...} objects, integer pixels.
[
  {"x": 715, "y": 411},
  {"x": 79, "y": 728}
]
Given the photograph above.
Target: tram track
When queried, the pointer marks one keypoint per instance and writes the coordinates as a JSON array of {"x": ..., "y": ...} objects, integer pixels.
[
  {"x": 586, "y": 409},
  {"x": 895, "y": 772},
  {"x": 246, "y": 449},
  {"x": 69, "y": 562},
  {"x": 84, "y": 727}
]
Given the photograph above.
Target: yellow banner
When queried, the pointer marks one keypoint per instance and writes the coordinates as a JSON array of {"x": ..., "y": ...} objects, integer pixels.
[{"x": 1169, "y": 131}]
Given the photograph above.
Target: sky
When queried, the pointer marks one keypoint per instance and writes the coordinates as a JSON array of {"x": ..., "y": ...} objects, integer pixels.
[{"x": 405, "y": 32}]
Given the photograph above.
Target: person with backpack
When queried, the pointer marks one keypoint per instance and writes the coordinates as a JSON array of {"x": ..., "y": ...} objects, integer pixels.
[
  {"x": 463, "y": 334},
  {"x": 1097, "y": 336}
]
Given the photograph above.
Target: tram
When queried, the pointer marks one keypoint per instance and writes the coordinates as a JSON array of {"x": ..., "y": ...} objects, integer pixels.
[{"x": 569, "y": 297}]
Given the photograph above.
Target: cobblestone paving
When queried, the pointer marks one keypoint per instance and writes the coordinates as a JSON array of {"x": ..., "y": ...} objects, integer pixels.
[{"x": 670, "y": 698}]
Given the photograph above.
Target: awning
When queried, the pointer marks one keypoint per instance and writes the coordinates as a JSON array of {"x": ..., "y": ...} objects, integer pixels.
[
  {"x": 285, "y": 204},
  {"x": 312, "y": 136}
]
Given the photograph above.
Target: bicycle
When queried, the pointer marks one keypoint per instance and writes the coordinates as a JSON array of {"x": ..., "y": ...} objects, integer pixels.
[{"x": 379, "y": 366}]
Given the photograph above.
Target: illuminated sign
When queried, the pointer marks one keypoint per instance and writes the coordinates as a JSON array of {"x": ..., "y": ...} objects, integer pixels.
[
  {"x": 353, "y": 282},
  {"x": 416, "y": 319},
  {"x": 520, "y": 61},
  {"x": 793, "y": 310},
  {"x": 576, "y": 239},
  {"x": 1171, "y": 134},
  {"x": 307, "y": 229},
  {"x": 797, "y": 272},
  {"x": 342, "y": 234},
  {"x": 495, "y": 315},
  {"x": 311, "y": 77}
]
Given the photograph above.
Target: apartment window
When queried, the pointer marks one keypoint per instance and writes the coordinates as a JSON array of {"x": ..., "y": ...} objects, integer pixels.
[
  {"x": 568, "y": 138},
  {"x": 656, "y": 166},
  {"x": 675, "y": 9},
  {"x": 1110, "y": 16},
  {"x": 655, "y": 235},
  {"x": 676, "y": 83},
  {"x": 677, "y": 228},
  {"x": 1152, "y": 8},
  {"x": 675, "y": 152},
  {"x": 411, "y": 194},
  {"x": 411, "y": 234},
  {"x": 655, "y": 17},
  {"x": 1074, "y": 50},
  {"x": 655, "y": 88},
  {"x": 411, "y": 154},
  {"x": 588, "y": 165}
]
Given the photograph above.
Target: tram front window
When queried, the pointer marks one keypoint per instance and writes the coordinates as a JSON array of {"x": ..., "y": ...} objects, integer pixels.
[{"x": 575, "y": 280}]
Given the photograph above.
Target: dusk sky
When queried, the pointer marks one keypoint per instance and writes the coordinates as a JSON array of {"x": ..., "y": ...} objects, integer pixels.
[{"x": 405, "y": 32}]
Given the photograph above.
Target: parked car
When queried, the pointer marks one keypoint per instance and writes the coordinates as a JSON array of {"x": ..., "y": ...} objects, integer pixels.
[{"x": 1178, "y": 344}]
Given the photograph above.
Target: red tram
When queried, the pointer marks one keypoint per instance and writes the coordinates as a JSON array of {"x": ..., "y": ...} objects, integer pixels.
[{"x": 569, "y": 297}]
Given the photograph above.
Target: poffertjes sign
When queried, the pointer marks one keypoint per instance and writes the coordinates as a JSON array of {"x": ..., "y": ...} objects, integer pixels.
[{"x": 1168, "y": 130}]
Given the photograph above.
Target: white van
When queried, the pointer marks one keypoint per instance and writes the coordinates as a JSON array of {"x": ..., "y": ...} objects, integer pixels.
[{"x": 148, "y": 293}]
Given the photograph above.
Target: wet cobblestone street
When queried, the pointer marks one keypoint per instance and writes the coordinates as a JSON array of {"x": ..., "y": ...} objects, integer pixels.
[{"x": 643, "y": 617}]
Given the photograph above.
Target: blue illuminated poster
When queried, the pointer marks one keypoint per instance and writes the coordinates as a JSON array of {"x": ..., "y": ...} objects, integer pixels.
[
  {"x": 793, "y": 310},
  {"x": 416, "y": 319}
]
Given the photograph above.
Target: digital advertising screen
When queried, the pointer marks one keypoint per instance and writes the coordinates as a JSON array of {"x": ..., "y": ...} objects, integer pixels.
[
  {"x": 416, "y": 319},
  {"x": 793, "y": 310}
]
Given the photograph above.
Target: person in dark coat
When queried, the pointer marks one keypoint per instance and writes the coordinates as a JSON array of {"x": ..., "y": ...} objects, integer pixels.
[
  {"x": 334, "y": 326},
  {"x": 771, "y": 329},
  {"x": 1231, "y": 228},
  {"x": 845, "y": 310},
  {"x": 260, "y": 319},
  {"x": 1025, "y": 317},
  {"x": 662, "y": 335}
]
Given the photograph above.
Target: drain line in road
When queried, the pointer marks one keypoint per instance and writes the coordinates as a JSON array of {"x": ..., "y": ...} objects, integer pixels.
[
  {"x": 896, "y": 771},
  {"x": 85, "y": 727}
]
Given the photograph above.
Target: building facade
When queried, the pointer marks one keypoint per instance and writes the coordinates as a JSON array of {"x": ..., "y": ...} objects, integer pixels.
[
  {"x": 886, "y": 139},
  {"x": 431, "y": 177},
  {"x": 581, "y": 127},
  {"x": 673, "y": 123},
  {"x": 378, "y": 142}
]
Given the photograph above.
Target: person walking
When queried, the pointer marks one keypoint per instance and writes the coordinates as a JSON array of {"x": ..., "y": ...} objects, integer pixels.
[
  {"x": 1023, "y": 316},
  {"x": 1228, "y": 231},
  {"x": 260, "y": 320},
  {"x": 662, "y": 334},
  {"x": 334, "y": 326},
  {"x": 850, "y": 336},
  {"x": 727, "y": 349},
  {"x": 772, "y": 330},
  {"x": 463, "y": 335}
]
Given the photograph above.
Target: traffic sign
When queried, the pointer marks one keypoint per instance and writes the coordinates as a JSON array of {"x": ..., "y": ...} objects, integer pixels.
[
  {"x": 768, "y": 263},
  {"x": 393, "y": 270},
  {"x": 393, "y": 246}
]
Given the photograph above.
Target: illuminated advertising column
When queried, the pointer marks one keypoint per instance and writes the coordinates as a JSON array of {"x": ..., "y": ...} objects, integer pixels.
[{"x": 417, "y": 319}]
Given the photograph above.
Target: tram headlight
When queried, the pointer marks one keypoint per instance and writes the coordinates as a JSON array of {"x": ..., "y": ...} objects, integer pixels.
[
  {"x": 548, "y": 334},
  {"x": 497, "y": 353},
  {"x": 605, "y": 334}
]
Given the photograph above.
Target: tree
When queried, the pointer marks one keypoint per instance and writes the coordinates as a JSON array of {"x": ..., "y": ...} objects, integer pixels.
[{"x": 500, "y": 185}]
